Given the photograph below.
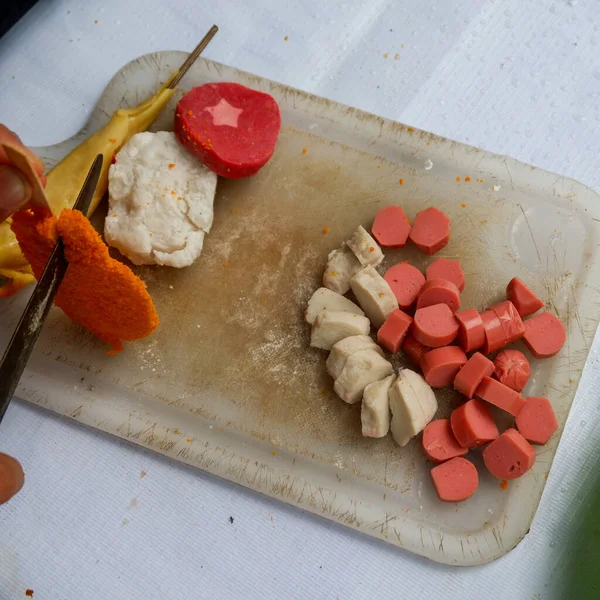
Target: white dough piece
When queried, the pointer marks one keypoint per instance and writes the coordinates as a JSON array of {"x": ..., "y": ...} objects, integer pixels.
[
  {"x": 331, "y": 326},
  {"x": 374, "y": 295},
  {"x": 345, "y": 348},
  {"x": 413, "y": 405},
  {"x": 160, "y": 201},
  {"x": 375, "y": 410},
  {"x": 341, "y": 267},
  {"x": 361, "y": 369},
  {"x": 324, "y": 299},
  {"x": 365, "y": 248}
]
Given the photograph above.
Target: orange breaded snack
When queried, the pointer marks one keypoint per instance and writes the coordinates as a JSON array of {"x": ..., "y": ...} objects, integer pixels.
[{"x": 98, "y": 292}]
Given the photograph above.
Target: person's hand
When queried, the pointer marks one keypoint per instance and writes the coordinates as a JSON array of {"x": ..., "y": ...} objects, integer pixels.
[
  {"x": 11, "y": 477},
  {"x": 15, "y": 192}
]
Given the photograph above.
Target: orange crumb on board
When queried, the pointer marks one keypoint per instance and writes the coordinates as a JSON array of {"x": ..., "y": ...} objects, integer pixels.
[
  {"x": 325, "y": 229},
  {"x": 221, "y": 430},
  {"x": 188, "y": 440},
  {"x": 143, "y": 474},
  {"x": 467, "y": 179},
  {"x": 484, "y": 221},
  {"x": 304, "y": 150},
  {"x": 457, "y": 178},
  {"x": 176, "y": 431},
  {"x": 286, "y": 38},
  {"x": 97, "y": 291},
  {"x": 405, "y": 262},
  {"x": 464, "y": 205},
  {"x": 173, "y": 192},
  {"x": 503, "y": 484},
  {"x": 237, "y": 210},
  {"x": 411, "y": 128},
  {"x": 379, "y": 166},
  {"x": 112, "y": 140},
  {"x": 570, "y": 381},
  {"x": 333, "y": 273},
  {"x": 179, "y": 198},
  {"x": 28, "y": 592},
  {"x": 428, "y": 143},
  {"x": 274, "y": 453},
  {"x": 401, "y": 181},
  {"x": 69, "y": 342},
  {"x": 226, "y": 265},
  {"x": 96, "y": 22},
  {"x": 171, "y": 165}
]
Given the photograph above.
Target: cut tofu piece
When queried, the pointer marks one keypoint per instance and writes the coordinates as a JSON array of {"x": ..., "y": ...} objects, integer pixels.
[
  {"x": 365, "y": 248},
  {"x": 342, "y": 266},
  {"x": 324, "y": 299},
  {"x": 331, "y": 326},
  {"x": 413, "y": 405},
  {"x": 375, "y": 410},
  {"x": 374, "y": 295},
  {"x": 361, "y": 369},
  {"x": 345, "y": 348}
]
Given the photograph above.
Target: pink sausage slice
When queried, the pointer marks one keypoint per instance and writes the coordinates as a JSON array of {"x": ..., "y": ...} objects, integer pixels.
[
  {"x": 499, "y": 395},
  {"x": 445, "y": 268},
  {"x": 391, "y": 227},
  {"x": 406, "y": 282},
  {"x": 472, "y": 424},
  {"x": 413, "y": 349},
  {"x": 435, "y": 326},
  {"x": 441, "y": 365},
  {"x": 544, "y": 335},
  {"x": 471, "y": 333},
  {"x": 494, "y": 332},
  {"x": 439, "y": 291},
  {"x": 392, "y": 332},
  {"x": 439, "y": 443},
  {"x": 509, "y": 456},
  {"x": 525, "y": 301},
  {"x": 430, "y": 231},
  {"x": 470, "y": 376},
  {"x": 512, "y": 324},
  {"x": 455, "y": 480},
  {"x": 536, "y": 421},
  {"x": 512, "y": 368}
]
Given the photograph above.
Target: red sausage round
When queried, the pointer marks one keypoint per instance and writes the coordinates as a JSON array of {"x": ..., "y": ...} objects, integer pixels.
[
  {"x": 512, "y": 368},
  {"x": 525, "y": 301},
  {"x": 499, "y": 395},
  {"x": 413, "y": 349},
  {"x": 536, "y": 421},
  {"x": 430, "y": 231},
  {"x": 391, "y": 227},
  {"x": 494, "y": 332},
  {"x": 439, "y": 443},
  {"x": 470, "y": 376},
  {"x": 445, "y": 268},
  {"x": 472, "y": 424},
  {"x": 471, "y": 333},
  {"x": 544, "y": 335},
  {"x": 509, "y": 456},
  {"x": 441, "y": 365},
  {"x": 392, "y": 332},
  {"x": 439, "y": 291},
  {"x": 435, "y": 326},
  {"x": 512, "y": 324},
  {"x": 406, "y": 282},
  {"x": 455, "y": 480}
]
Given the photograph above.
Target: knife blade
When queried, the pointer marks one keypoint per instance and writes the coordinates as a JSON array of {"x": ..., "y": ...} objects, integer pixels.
[{"x": 30, "y": 325}]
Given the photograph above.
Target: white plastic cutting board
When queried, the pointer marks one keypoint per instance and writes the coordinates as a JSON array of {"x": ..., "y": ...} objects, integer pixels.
[{"x": 228, "y": 382}]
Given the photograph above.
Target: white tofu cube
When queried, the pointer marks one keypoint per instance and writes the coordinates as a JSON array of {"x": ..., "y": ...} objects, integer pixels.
[{"x": 374, "y": 295}]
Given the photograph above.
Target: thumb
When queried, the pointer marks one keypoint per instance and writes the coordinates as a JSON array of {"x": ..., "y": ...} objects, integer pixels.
[
  {"x": 15, "y": 192},
  {"x": 11, "y": 477}
]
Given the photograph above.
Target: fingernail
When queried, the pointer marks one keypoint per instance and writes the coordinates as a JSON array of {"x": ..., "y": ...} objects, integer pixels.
[{"x": 14, "y": 190}]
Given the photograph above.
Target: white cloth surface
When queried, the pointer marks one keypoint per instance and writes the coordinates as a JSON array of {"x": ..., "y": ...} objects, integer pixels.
[{"x": 520, "y": 77}]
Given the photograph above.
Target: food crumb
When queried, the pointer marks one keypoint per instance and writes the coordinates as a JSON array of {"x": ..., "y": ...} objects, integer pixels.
[
  {"x": 143, "y": 474},
  {"x": 274, "y": 453},
  {"x": 286, "y": 38},
  {"x": 170, "y": 287},
  {"x": 372, "y": 249},
  {"x": 112, "y": 140},
  {"x": 386, "y": 55},
  {"x": 325, "y": 229},
  {"x": 226, "y": 265},
  {"x": 237, "y": 210},
  {"x": 464, "y": 205},
  {"x": 173, "y": 192},
  {"x": 29, "y": 593},
  {"x": 231, "y": 519},
  {"x": 171, "y": 165},
  {"x": 428, "y": 165},
  {"x": 95, "y": 23},
  {"x": 396, "y": 57},
  {"x": 176, "y": 431},
  {"x": 188, "y": 440},
  {"x": 322, "y": 393},
  {"x": 457, "y": 178},
  {"x": 496, "y": 187},
  {"x": 69, "y": 342},
  {"x": 503, "y": 484},
  {"x": 570, "y": 381},
  {"x": 401, "y": 181},
  {"x": 467, "y": 179},
  {"x": 304, "y": 150},
  {"x": 411, "y": 129}
]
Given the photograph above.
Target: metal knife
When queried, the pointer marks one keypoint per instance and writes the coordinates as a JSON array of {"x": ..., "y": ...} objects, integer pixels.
[{"x": 28, "y": 330}]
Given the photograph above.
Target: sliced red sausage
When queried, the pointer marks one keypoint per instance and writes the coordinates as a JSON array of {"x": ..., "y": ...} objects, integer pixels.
[
  {"x": 467, "y": 380},
  {"x": 413, "y": 349},
  {"x": 430, "y": 231},
  {"x": 435, "y": 326},
  {"x": 439, "y": 443},
  {"x": 544, "y": 335},
  {"x": 441, "y": 365},
  {"x": 499, "y": 395},
  {"x": 512, "y": 368},
  {"x": 536, "y": 421},
  {"x": 445, "y": 268},
  {"x": 455, "y": 480},
  {"x": 511, "y": 321},
  {"x": 525, "y": 301},
  {"x": 494, "y": 332},
  {"x": 391, "y": 227},
  {"x": 509, "y": 456},
  {"x": 393, "y": 331},
  {"x": 471, "y": 333},
  {"x": 406, "y": 282},
  {"x": 439, "y": 291},
  {"x": 232, "y": 129},
  {"x": 472, "y": 424}
]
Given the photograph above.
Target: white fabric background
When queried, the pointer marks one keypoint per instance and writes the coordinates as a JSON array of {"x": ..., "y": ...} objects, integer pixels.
[{"x": 520, "y": 77}]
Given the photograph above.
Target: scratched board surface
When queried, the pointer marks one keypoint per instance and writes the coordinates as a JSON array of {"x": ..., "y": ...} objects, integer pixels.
[{"x": 229, "y": 383}]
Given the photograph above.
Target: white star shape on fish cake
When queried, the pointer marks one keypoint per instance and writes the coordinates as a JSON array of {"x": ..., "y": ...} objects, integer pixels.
[{"x": 224, "y": 114}]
